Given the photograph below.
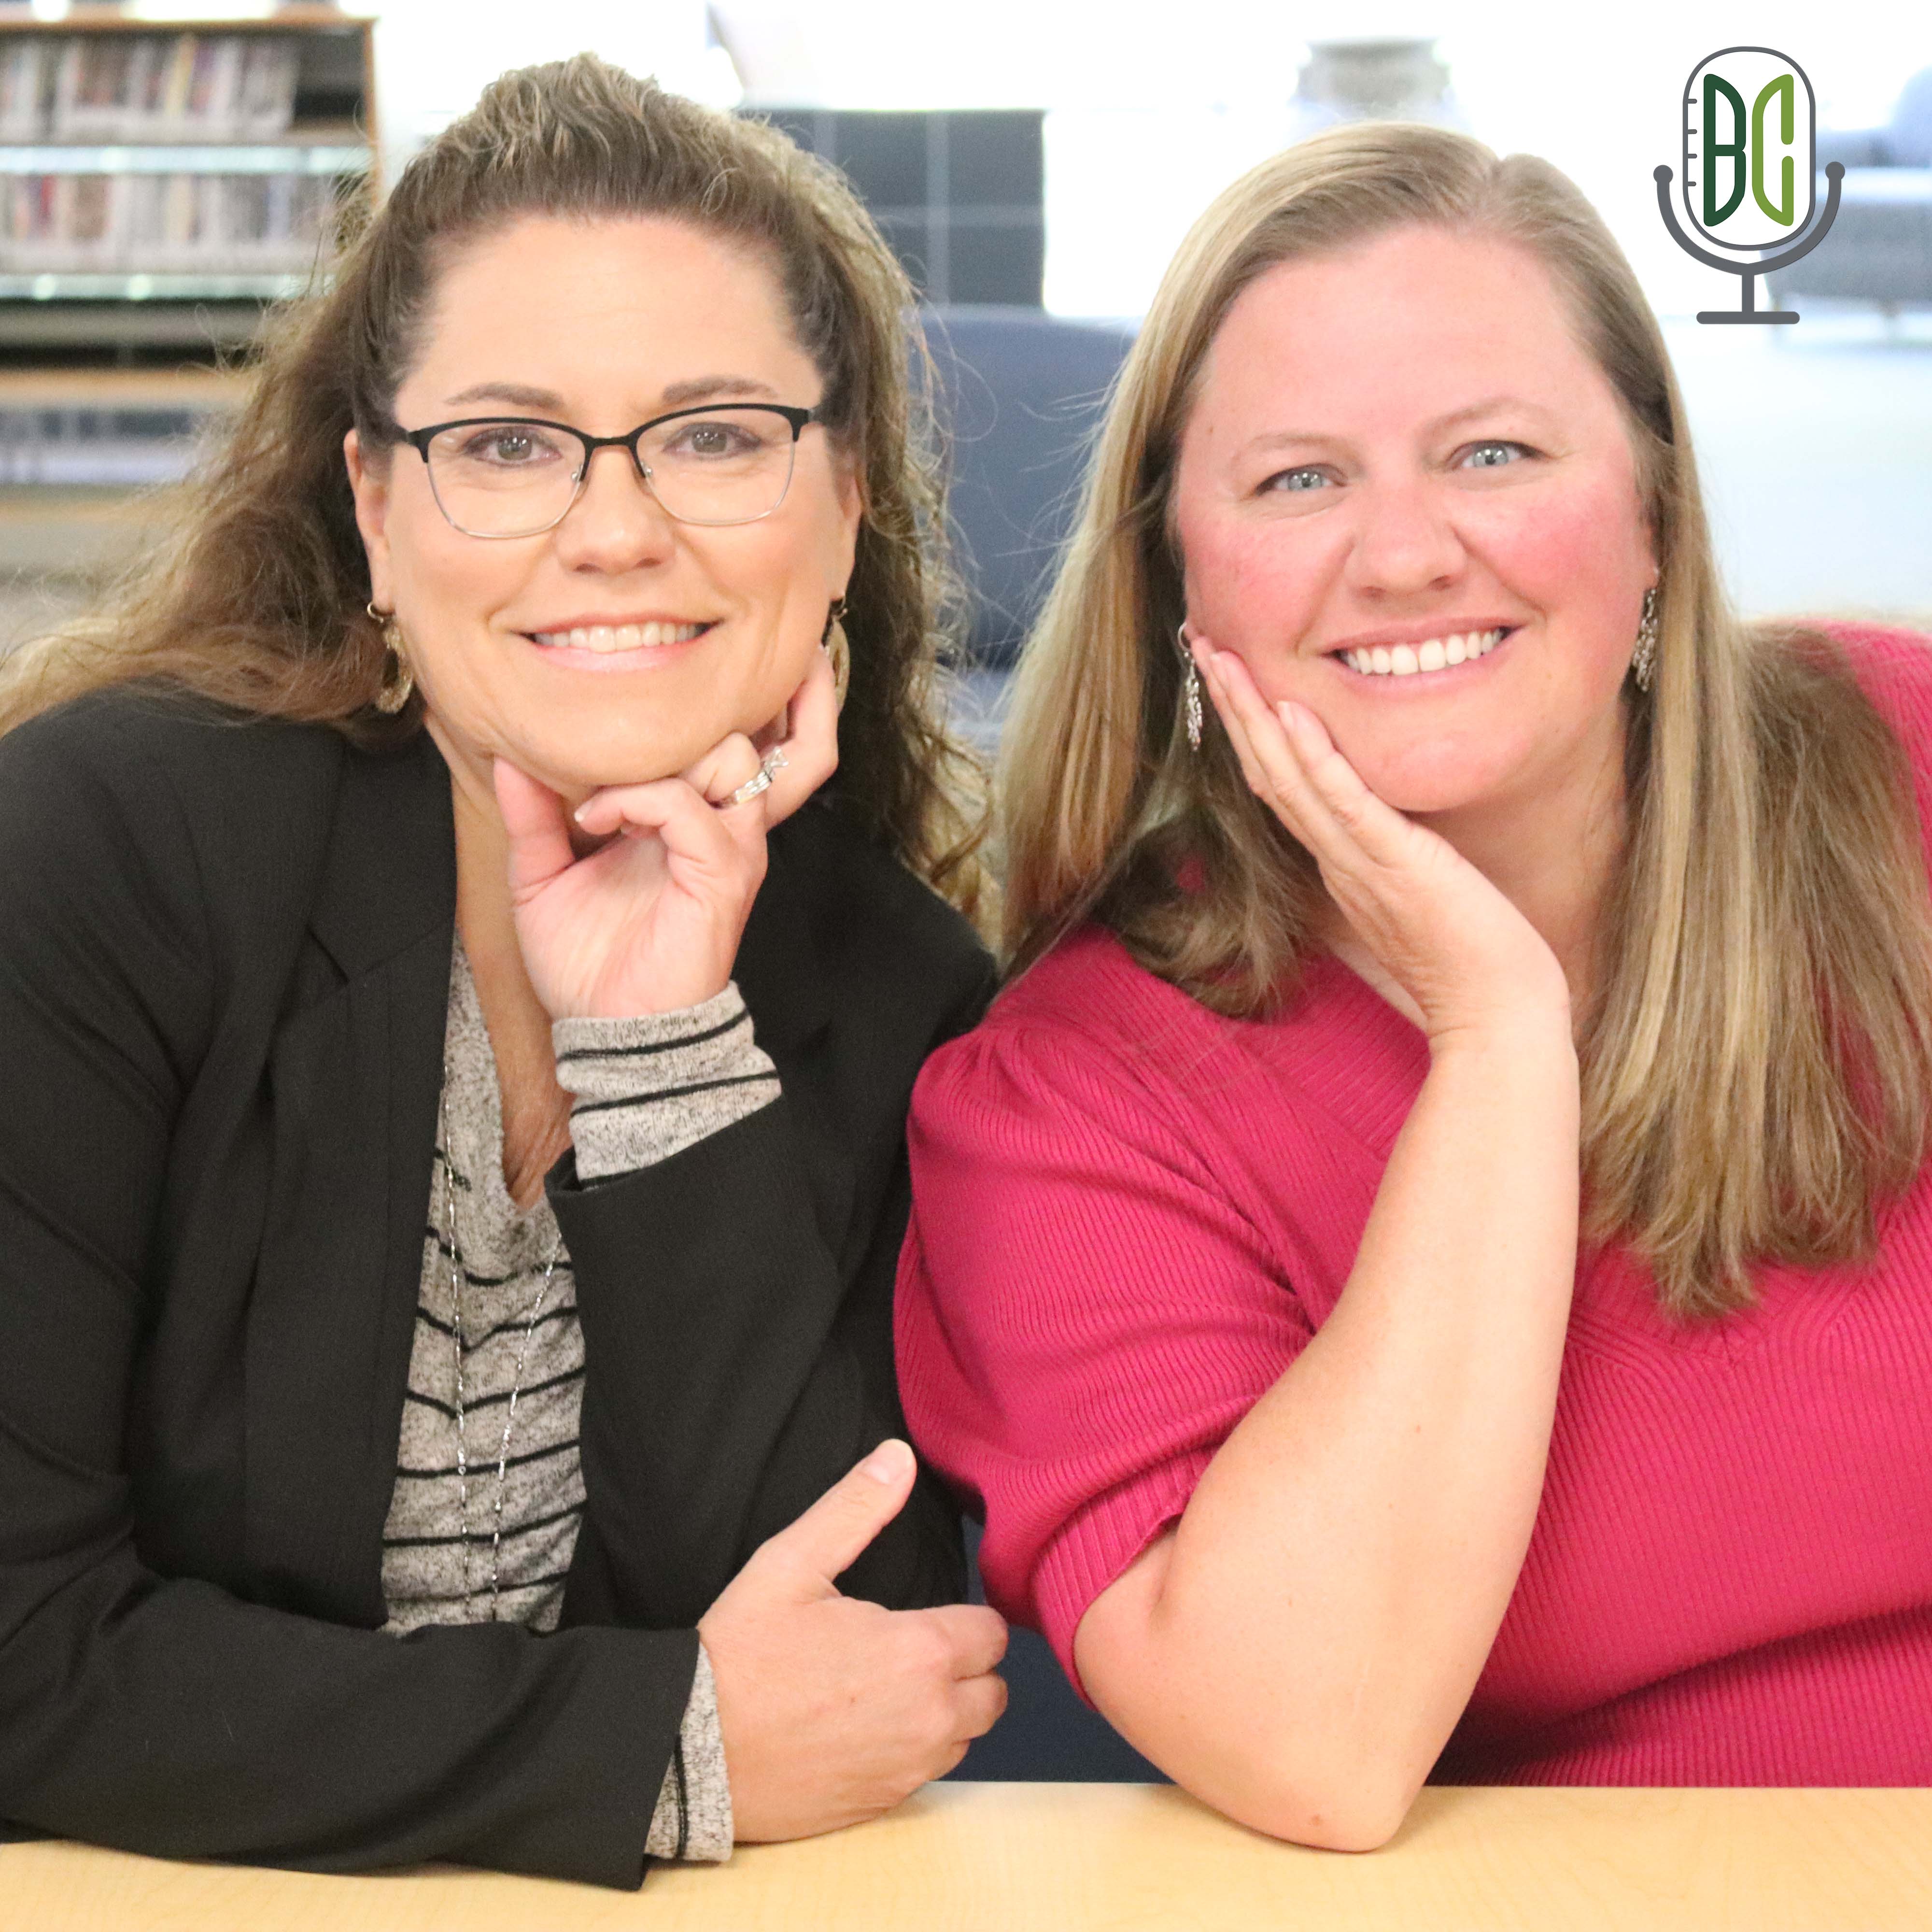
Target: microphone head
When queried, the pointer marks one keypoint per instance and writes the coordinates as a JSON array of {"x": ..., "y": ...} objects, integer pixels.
[{"x": 1749, "y": 149}]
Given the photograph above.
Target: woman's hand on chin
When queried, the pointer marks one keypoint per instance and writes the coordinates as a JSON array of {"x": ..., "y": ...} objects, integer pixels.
[
  {"x": 1463, "y": 958},
  {"x": 649, "y": 921}
]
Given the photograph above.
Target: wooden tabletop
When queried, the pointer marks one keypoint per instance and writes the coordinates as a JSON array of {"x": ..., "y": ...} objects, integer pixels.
[{"x": 1123, "y": 1858}]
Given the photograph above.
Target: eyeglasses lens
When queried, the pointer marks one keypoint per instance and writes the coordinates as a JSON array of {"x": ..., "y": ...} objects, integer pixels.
[{"x": 517, "y": 479}]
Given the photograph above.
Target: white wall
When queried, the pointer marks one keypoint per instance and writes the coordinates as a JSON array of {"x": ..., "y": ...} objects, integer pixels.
[
  {"x": 434, "y": 57},
  {"x": 1156, "y": 104}
]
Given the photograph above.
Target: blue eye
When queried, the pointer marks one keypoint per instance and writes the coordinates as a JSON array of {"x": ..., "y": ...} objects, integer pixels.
[
  {"x": 1494, "y": 454},
  {"x": 1296, "y": 480}
]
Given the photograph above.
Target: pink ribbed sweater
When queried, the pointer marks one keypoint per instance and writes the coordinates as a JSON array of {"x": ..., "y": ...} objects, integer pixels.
[{"x": 1130, "y": 1214}]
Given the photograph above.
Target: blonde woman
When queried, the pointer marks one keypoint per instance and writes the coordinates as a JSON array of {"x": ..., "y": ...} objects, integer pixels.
[
  {"x": 461, "y": 978},
  {"x": 1426, "y": 1271}
]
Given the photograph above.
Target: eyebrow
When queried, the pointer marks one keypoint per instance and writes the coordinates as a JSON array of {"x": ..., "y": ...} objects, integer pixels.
[
  {"x": 517, "y": 395},
  {"x": 697, "y": 388},
  {"x": 1489, "y": 406},
  {"x": 702, "y": 388}
]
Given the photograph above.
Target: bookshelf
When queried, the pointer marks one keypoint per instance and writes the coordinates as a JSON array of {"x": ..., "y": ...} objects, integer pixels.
[{"x": 162, "y": 180}]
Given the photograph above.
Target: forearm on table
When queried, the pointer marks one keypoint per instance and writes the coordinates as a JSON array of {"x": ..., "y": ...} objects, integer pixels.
[
  {"x": 1297, "y": 1650},
  {"x": 164, "y": 1717}
]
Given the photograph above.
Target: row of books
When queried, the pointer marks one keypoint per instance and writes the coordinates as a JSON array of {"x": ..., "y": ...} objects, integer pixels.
[
  {"x": 122, "y": 446},
  {"x": 147, "y": 87},
  {"x": 162, "y": 224}
]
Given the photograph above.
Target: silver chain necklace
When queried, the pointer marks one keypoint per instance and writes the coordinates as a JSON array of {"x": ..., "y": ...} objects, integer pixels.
[{"x": 451, "y": 1180}]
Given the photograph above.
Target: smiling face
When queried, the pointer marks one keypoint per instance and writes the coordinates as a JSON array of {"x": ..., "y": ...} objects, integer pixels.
[
  {"x": 621, "y": 645},
  {"x": 1407, "y": 498}
]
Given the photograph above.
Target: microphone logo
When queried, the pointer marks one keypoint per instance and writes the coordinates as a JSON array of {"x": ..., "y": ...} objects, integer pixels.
[
  {"x": 1750, "y": 148},
  {"x": 1749, "y": 170}
]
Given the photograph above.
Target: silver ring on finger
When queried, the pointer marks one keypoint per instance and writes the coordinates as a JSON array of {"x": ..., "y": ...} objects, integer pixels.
[{"x": 773, "y": 762}]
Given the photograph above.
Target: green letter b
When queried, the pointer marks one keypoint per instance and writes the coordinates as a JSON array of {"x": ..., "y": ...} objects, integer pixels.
[{"x": 1714, "y": 86}]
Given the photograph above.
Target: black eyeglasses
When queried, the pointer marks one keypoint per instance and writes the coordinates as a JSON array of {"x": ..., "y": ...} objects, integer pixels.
[{"x": 518, "y": 475}]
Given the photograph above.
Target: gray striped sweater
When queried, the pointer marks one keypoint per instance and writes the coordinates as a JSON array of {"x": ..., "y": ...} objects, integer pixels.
[{"x": 458, "y": 1547}]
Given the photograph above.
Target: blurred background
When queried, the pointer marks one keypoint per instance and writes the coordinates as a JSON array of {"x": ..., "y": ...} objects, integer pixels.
[{"x": 166, "y": 166}]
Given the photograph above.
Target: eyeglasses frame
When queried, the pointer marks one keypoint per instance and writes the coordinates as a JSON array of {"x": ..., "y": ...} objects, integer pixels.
[{"x": 419, "y": 441}]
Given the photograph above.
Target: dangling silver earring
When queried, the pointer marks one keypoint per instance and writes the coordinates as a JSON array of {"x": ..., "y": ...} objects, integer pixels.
[
  {"x": 398, "y": 680},
  {"x": 1190, "y": 689},
  {"x": 1643, "y": 659}
]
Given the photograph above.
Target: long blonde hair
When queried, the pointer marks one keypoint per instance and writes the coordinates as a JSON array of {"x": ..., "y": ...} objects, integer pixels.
[
  {"x": 255, "y": 597},
  {"x": 1757, "y": 1062}
]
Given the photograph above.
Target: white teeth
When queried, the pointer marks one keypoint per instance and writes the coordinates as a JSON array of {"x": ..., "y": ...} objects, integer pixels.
[
  {"x": 605, "y": 637},
  {"x": 1438, "y": 653}
]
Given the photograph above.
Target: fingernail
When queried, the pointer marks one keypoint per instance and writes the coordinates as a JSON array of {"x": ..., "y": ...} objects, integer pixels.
[
  {"x": 578, "y": 814},
  {"x": 888, "y": 1462}
]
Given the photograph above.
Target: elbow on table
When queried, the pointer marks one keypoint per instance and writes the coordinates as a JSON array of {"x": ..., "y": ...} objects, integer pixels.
[
  {"x": 1278, "y": 1764},
  {"x": 1358, "y": 1808}
]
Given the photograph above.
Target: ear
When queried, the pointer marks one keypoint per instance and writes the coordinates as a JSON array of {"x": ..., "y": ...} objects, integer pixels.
[{"x": 369, "y": 483}]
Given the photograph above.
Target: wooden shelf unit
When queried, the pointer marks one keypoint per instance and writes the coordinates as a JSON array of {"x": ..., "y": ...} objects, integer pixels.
[{"x": 123, "y": 348}]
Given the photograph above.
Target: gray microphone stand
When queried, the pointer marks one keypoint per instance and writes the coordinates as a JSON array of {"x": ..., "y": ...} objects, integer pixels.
[{"x": 1835, "y": 173}]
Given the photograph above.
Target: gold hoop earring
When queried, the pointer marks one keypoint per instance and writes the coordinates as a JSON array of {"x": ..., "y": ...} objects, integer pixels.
[
  {"x": 1643, "y": 659},
  {"x": 1190, "y": 689},
  {"x": 399, "y": 681},
  {"x": 838, "y": 647}
]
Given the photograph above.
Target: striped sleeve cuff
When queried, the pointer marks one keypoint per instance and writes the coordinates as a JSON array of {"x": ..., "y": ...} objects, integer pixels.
[
  {"x": 693, "y": 1818},
  {"x": 643, "y": 1090}
]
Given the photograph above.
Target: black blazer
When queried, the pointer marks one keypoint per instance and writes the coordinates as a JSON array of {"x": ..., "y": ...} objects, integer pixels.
[{"x": 224, "y": 968}]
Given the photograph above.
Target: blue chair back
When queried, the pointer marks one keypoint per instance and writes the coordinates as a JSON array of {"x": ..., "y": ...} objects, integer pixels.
[
  {"x": 1021, "y": 393},
  {"x": 1912, "y": 124},
  {"x": 1047, "y": 1735}
]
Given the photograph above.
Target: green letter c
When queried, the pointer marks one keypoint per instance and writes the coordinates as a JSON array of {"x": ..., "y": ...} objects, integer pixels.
[{"x": 1786, "y": 89}]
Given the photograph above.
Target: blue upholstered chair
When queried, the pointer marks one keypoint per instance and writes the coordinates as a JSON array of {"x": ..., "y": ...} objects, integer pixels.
[
  {"x": 1904, "y": 141},
  {"x": 1879, "y": 249},
  {"x": 1047, "y": 1735},
  {"x": 1023, "y": 391}
]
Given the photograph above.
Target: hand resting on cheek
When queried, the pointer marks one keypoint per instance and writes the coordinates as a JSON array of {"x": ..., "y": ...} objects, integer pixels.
[
  {"x": 648, "y": 920},
  {"x": 1424, "y": 926}
]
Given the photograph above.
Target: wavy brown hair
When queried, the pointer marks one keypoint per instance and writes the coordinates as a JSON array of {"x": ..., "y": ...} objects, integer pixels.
[
  {"x": 254, "y": 596},
  {"x": 1757, "y": 1060}
]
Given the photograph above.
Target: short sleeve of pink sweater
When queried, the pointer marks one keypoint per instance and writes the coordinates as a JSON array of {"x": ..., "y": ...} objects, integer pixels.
[{"x": 1087, "y": 1306}]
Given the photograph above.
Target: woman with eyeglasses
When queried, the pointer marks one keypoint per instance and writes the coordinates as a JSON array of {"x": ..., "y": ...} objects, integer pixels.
[
  {"x": 1425, "y": 1268},
  {"x": 456, "y": 1030}
]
